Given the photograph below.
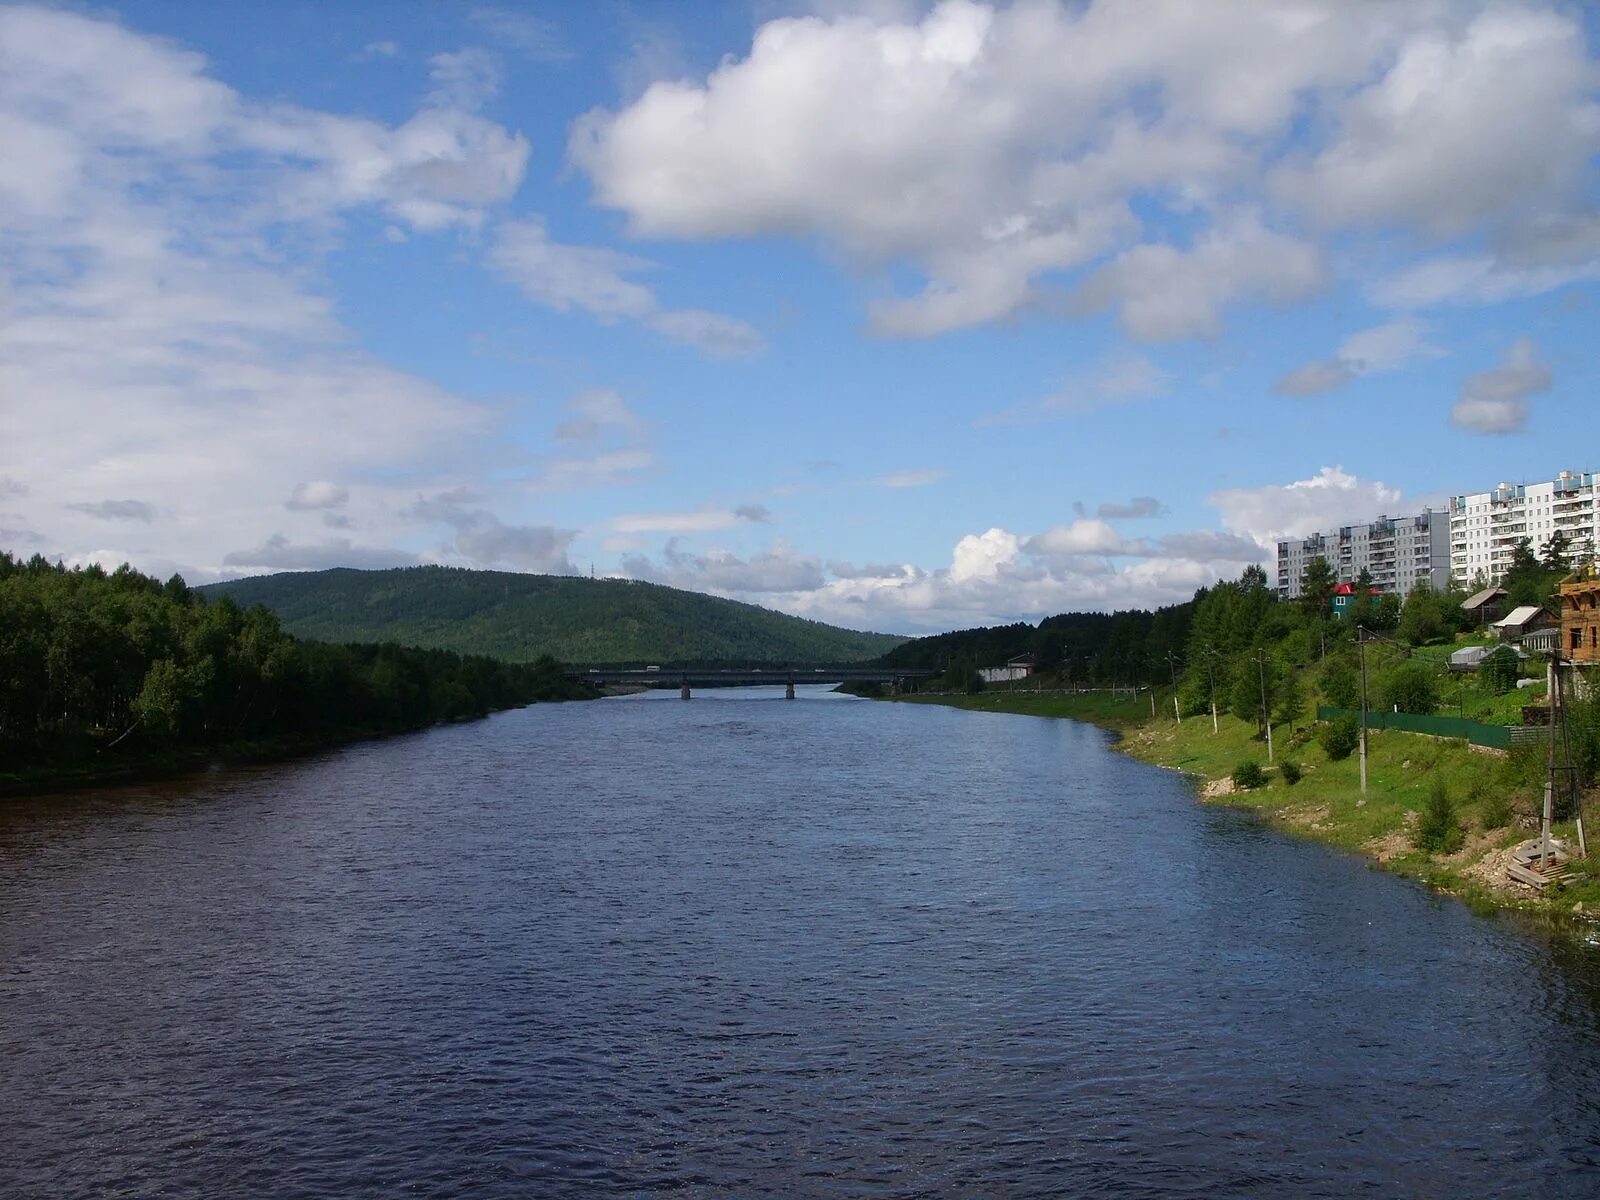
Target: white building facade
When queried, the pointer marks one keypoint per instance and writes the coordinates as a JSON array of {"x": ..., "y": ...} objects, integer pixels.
[
  {"x": 1485, "y": 527},
  {"x": 1398, "y": 553}
]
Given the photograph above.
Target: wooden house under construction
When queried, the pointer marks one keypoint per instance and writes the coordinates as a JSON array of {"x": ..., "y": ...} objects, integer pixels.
[{"x": 1580, "y": 618}]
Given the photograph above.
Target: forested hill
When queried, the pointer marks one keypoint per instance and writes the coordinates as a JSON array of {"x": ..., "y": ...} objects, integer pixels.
[{"x": 519, "y": 617}]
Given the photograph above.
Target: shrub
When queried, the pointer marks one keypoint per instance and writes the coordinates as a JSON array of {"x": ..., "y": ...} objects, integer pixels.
[
  {"x": 1340, "y": 737},
  {"x": 1438, "y": 829},
  {"x": 1290, "y": 770},
  {"x": 1496, "y": 810},
  {"x": 1249, "y": 775}
]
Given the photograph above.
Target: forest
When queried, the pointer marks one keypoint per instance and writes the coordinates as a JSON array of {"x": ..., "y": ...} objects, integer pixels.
[
  {"x": 101, "y": 670},
  {"x": 518, "y": 617}
]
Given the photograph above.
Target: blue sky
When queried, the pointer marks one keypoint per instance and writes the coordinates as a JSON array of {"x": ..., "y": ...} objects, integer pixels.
[{"x": 904, "y": 316}]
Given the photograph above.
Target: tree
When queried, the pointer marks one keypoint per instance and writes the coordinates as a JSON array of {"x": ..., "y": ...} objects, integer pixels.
[
  {"x": 1411, "y": 687},
  {"x": 1317, "y": 582},
  {"x": 1422, "y": 615},
  {"x": 1526, "y": 581},
  {"x": 1555, "y": 555},
  {"x": 1340, "y": 682}
]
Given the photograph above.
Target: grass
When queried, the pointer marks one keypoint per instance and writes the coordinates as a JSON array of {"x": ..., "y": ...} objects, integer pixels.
[{"x": 1327, "y": 802}]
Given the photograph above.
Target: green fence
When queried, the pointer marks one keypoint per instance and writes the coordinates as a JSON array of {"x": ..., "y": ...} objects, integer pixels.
[{"x": 1499, "y": 737}]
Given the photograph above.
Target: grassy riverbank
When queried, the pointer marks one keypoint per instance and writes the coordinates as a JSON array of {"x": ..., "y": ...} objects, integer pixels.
[{"x": 1327, "y": 803}]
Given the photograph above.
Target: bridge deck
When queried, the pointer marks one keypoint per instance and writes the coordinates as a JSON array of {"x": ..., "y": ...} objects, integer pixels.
[{"x": 749, "y": 676}]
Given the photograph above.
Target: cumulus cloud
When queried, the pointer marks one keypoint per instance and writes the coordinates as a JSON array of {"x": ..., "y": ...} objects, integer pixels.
[
  {"x": 1330, "y": 498},
  {"x": 1386, "y": 347},
  {"x": 1473, "y": 122},
  {"x": 1164, "y": 293},
  {"x": 1496, "y": 400},
  {"x": 117, "y": 510},
  {"x": 317, "y": 494},
  {"x": 951, "y": 139}
]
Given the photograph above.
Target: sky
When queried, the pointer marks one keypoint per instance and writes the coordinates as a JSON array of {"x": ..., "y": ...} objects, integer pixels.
[{"x": 900, "y": 316}]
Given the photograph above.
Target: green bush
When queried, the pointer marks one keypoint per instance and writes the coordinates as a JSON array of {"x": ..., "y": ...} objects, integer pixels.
[
  {"x": 1438, "y": 829},
  {"x": 1290, "y": 770},
  {"x": 1248, "y": 776},
  {"x": 1340, "y": 737},
  {"x": 1496, "y": 809}
]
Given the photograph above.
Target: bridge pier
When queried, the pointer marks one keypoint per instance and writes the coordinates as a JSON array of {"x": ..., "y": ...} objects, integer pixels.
[{"x": 683, "y": 692}]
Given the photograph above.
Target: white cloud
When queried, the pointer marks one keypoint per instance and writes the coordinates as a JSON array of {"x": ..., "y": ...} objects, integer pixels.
[
  {"x": 464, "y": 80},
  {"x": 1121, "y": 379},
  {"x": 1484, "y": 278},
  {"x": 1163, "y": 293},
  {"x": 170, "y": 223},
  {"x": 522, "y": 32},
  {"x": 714, "y": 334},
  {"x": 589, "y": 278},
  {"x": 1496, "y": 400},
  {"x": 317, "y": 494},
  {"x": 705, "y": 520},
  {"x": 1385, "y": 347},
  {"x": 596, "y": 411},
  {"x": 1138, "y": 506},
  {"x": 605, "y": 469},
  {"x": 775, "y": 571},
  {"x": 118, "y": 510},
  {"x": 911, "y": 479},
  {"x": 1473, "y": 122},
  {"x": 595, "y": 280},
  {"x": 483, "y": 540},
  {"x": 277, "y": 553},
  {"x": 1087, "y": 536},
  {"x": 1330, "y": 498},
  {"x": 951, "y": 139}
]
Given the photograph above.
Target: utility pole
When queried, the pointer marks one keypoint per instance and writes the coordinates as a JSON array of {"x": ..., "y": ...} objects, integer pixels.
[
  {"x": 1211, "y": 684},
  {"x": 1172, "y": 665},
  {"x": 1266, "y": 713},
  {"x": 1549, "y": 768},
  {"x": 1361, "y": 645}
]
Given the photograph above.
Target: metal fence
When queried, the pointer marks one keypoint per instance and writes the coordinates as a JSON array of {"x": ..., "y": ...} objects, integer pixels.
[{"x": 1499, "y": 737}]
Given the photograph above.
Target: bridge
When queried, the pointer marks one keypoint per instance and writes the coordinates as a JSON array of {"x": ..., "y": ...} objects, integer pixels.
[{"x": 685, "y": 679}]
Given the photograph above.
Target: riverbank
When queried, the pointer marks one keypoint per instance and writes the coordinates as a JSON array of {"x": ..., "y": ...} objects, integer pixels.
[
  {"x": 1327, "y": 803},
  {"x": 179, "y": 761}
]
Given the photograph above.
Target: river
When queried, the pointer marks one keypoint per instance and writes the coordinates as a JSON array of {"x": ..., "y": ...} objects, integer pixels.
[{"x": 743, "y": 947}]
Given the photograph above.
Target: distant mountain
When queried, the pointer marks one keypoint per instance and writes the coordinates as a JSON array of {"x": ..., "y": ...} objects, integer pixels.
[{"x": 518, "y": 617}]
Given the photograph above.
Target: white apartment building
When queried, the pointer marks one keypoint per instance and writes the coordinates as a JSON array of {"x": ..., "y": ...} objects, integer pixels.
[
  {"x": 1398, "y": 552},
  {"x": 1486, "y": 526}
]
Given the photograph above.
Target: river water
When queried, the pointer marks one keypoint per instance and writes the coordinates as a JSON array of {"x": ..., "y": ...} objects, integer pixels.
[{"x": 742, "y": 947}]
